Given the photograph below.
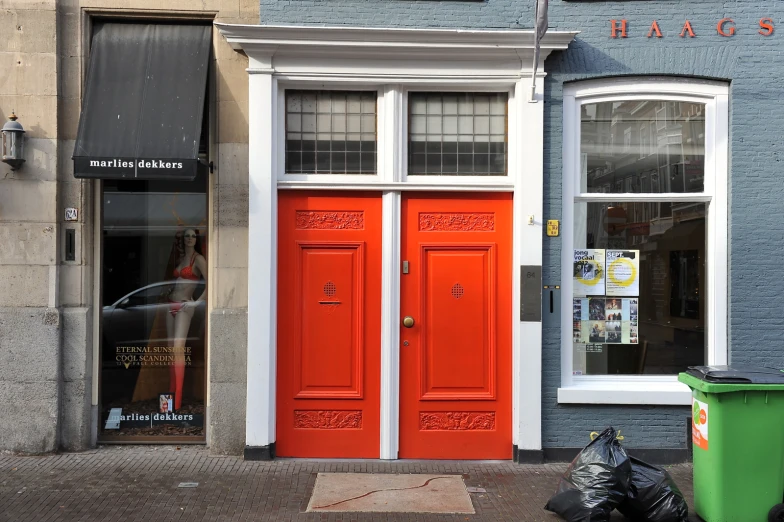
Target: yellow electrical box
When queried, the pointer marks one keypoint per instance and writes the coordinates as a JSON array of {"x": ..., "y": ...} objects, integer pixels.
[{"x": 552, "y": 227}]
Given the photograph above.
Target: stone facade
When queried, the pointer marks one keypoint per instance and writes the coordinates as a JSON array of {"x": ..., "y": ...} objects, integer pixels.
[{"x": 48, "y": 309}]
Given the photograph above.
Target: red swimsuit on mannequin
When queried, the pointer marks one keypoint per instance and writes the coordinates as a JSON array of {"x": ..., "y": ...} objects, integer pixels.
[
  {"x": 177, "y": 370},
  {"x": 185, "y": 273}
]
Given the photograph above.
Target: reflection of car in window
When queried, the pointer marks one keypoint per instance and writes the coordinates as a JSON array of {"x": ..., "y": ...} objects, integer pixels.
[{"x": 130, "y": 320}]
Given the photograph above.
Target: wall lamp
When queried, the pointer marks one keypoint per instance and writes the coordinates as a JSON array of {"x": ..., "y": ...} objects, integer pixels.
[{"x": 13, "y": 142}]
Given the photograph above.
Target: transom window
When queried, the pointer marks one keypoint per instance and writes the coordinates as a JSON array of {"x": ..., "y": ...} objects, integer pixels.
[
  {"x": 643, "y": 146},
  {"x": 457, "y": 134},
  {"x": 330, "y": 132}
]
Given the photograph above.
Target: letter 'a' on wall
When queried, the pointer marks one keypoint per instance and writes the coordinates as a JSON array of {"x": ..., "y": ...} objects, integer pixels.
[{"x": 143, "y": 108}]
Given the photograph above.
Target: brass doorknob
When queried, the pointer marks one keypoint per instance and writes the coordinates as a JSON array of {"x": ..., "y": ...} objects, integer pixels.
[{"x": 408, "y": 321}]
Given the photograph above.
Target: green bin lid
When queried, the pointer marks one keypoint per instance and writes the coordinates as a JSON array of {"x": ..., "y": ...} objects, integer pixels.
[{"x": 722, "y": 379}]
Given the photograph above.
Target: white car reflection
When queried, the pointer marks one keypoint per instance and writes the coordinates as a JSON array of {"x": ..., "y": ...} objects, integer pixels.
[{"x": 131, "y": 320}]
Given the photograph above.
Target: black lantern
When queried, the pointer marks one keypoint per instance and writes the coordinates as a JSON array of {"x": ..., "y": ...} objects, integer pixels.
[{"x": 13, "y": 142}]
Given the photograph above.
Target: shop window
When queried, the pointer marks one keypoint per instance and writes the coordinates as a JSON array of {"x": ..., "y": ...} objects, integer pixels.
[
  {"x": 645, "y": 238},
  {"x": 330, "y": 132},
  {"x": 637, "y": 290},
  {"x": 154, "y": 290},
  {"x": 457, "y": 134}
]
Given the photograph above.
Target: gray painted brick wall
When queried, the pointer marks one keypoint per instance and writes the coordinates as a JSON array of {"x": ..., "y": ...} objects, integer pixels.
[{"x": 754, "y": 66}]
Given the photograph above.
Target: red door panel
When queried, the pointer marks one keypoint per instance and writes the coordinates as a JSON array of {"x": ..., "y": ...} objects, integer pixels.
[
  {"x": 455, "y": 376},
  {"x": 329, "y": 308},
  {"x": 448, "y": 373},
  {"x": 330, "y": 320}
]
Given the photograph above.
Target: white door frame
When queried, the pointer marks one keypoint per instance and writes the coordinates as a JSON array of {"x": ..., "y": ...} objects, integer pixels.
[{"x": 390, "y": 61}]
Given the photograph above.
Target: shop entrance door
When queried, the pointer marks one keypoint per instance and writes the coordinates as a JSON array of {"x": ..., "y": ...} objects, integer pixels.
[
  {"x": 456, "y": 331},
  {"x": 329, "y": 324}
]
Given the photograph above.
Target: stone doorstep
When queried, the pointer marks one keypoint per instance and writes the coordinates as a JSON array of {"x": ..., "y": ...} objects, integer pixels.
[{"x": 390, "y": 493}]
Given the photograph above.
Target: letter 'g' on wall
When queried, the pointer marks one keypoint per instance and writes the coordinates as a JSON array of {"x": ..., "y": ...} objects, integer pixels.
[
  {"x": 726, "y": 27},
  {"x": 618, "y": 27}
]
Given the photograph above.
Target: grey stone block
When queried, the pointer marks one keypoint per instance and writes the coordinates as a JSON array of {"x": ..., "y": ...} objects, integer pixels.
[
  {"x": 228, "y": 345},
  {"x": 232, "y": 247},
  {"x": 75, "y": 285},
  {"x": 27, "y": 244},
  {"x": 231, "y": 287},
  {"x": 25, "y": 285},
  {"x": 75, "y": 415},
  {"x": 77, "y": 344},
  {"x": 226, "y": 429},
  {"x": 232, "y": 167},
  {"x": 28, "y": 200},
  {"x": 30, "y": 414},
  {"x": 232, "y": 205},
  {"x": 29, "y": 345}
]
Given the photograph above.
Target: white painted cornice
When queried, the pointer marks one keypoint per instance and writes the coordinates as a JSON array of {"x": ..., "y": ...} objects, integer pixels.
[{"x": 267, "y": 43}]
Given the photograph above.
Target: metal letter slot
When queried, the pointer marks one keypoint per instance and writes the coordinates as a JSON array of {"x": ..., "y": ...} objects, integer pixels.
[
  {"x": 329, "y": 302},
  {"x": 551, "y": 306},
  {"x": 70, "y": 244}
]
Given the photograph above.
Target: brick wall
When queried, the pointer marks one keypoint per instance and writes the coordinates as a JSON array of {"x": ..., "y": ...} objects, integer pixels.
[
  {"x": 753, "y": 65},
  {"x": 749, "y": 62}
]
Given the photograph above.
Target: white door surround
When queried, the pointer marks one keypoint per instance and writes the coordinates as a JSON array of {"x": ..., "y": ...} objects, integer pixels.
[{"x": 391, "y": 62}]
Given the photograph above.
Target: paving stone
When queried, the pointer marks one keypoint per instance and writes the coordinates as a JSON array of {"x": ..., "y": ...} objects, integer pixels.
[{"x": 140, "y": 483}]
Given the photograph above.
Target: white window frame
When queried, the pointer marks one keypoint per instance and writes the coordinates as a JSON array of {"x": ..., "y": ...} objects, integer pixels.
[
  {"x": 648, "y": 389},
  {"x": 392, "y": 135}
]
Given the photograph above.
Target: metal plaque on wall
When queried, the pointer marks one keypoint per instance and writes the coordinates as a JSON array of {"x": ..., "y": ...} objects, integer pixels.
[{"x": 530, "y": 293}]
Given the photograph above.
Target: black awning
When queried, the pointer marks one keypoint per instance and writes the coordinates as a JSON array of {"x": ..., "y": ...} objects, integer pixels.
[{"x": 144, "y": 102}]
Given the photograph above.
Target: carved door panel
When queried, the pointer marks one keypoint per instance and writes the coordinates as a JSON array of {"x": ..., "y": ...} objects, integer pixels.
[
  {"x": 456, "y": 358},
  {"x": 329, "y": 325}
]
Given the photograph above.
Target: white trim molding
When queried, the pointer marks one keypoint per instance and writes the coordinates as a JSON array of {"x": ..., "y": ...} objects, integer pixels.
[
  {"x": 641, "y": 393},
  {"x": 392, "y": 45},
  {"x": 262, "y": 256},
  {"x": 647, "y": 389}
]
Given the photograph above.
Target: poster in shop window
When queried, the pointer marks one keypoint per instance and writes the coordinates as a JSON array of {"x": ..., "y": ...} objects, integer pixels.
[
  {"x": 623, "y": 273},
  {"x": 604, "y": 320},
  {"x": 588, "y": 272}
]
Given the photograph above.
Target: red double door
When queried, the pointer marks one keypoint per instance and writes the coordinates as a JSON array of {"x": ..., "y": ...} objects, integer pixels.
[{"x": 455, "y": 349}]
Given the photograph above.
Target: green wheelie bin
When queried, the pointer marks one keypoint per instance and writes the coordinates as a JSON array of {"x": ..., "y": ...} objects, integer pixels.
[{"x": 738, "y": 440}]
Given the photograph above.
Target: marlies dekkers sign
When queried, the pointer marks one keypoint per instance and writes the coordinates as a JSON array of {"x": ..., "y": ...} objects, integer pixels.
[
  {"x": 147, "y": 168},
  {"x": 620, "y": 28},
  {"x": 142, "y": 164}
]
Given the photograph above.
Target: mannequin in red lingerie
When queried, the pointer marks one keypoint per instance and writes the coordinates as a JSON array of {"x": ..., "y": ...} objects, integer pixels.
[{"x": 190, "y": 268}]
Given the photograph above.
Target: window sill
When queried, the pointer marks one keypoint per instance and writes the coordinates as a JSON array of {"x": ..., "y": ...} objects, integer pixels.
[{"x": 649, "y": 393}]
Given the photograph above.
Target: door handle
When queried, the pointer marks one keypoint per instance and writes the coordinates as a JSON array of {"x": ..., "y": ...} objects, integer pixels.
[{"x": 408, "y": 321}]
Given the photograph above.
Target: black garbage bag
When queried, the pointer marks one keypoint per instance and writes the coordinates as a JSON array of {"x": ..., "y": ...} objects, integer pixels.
[
  {"x": 595, "y": 483},
  {"x": 653, "y": 496}
]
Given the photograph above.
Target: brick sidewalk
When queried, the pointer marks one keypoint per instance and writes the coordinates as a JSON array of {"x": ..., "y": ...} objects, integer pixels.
[{"x": 139, "y": 483}]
